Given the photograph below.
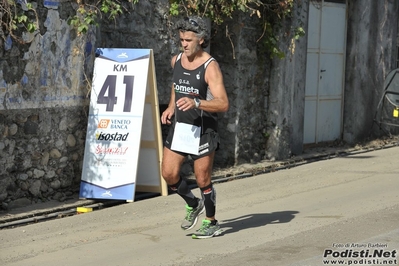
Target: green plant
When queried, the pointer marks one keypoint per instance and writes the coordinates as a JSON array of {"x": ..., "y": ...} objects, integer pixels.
[
  {"x": 216, "y": 10},
  {"x": 17, "y": 17},
  {"x": 269, "y": 12},
  {"x": 20, "y": 16},
  {"x": 89, "y": 13}
]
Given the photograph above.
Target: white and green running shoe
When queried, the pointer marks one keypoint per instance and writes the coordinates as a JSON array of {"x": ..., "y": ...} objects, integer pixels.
[
  {"x": 192, "y": 215},
  {"x": 207, "y": 230}
]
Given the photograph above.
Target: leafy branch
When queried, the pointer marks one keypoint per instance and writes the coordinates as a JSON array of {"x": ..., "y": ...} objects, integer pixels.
[
  {"x": 269, "y": 12},
  {"x": 216, "y": 10},
  {"x": 17, "y": 17},
  {"x": 89, "y": 14}
]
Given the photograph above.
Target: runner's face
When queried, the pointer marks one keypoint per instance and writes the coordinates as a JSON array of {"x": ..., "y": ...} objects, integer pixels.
[{"x": 190, "y": 43}]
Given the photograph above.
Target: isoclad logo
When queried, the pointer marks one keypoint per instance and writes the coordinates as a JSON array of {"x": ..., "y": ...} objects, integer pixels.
[
  {"x": 111, "y": 137},
  {"x": 103, "y": 123}
]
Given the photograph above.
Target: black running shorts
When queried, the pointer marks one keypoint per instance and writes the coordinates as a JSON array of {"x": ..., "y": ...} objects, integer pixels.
[{"x": 209, "y": 142}]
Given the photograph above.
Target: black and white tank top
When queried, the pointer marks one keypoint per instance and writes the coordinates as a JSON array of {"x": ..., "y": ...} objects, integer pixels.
[{"x": 191, "y": 84}]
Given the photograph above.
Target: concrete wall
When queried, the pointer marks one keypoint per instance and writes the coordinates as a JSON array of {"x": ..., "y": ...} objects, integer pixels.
[
  {"x": 371, "y": 55},
  {"x": 246, "y": 76},
  {"x": 287, "y": 90}
]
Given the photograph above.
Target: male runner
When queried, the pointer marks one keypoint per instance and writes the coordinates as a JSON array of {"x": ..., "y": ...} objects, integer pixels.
[{"x": 197, "y": 95}]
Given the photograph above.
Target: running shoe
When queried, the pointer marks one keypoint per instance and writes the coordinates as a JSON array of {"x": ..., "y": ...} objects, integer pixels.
[
  {"x": 192, "y": 215},
  {"x": 207, "y": 230}
]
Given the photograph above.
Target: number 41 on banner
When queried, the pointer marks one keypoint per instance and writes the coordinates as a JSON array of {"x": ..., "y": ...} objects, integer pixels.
[
  {"x": 123, "y": 150},
  {"x": 109, "y": 87}
]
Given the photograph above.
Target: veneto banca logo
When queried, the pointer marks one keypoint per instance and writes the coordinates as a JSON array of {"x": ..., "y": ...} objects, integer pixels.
[
  {"x": 114, "y": 124},
  {"x": 103, "y": 123}
]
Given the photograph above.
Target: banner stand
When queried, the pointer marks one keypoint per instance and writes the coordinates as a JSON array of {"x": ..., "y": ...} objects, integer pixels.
[
  {"x": 151, "y": 140},
  {"x": 123, "y": 149}
]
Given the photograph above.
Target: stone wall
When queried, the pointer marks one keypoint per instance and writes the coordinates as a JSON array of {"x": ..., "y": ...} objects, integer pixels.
[
  {"x": 44, "y": 86},
  {"x": 41, "y": 154}
]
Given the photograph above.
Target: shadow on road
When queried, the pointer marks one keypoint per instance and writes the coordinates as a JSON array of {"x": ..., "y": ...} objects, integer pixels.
[
  {"x": 351, "y": 156},
  {"x": 256, "y": 220}
]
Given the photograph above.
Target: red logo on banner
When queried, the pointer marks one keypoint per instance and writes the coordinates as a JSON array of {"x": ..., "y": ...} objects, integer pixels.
[{"x": 103, "y": 123}]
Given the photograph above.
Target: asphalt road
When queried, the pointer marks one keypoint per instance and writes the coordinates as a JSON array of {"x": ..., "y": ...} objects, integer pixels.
[{"x": 346, "y": 208}]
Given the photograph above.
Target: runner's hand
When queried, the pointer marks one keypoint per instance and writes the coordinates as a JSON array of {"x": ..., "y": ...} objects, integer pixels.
[
  {"x": 185, "y": 104},
  {"x": 167, "y": 116}
]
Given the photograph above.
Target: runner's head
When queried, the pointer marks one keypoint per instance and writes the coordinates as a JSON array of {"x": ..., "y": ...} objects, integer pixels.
[{"x": 197, "y": 25}]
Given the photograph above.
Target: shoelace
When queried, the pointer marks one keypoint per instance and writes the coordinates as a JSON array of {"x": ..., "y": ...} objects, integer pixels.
[
  {"x": 204, "y": 227},
  {"x": 189, "y": 214}
]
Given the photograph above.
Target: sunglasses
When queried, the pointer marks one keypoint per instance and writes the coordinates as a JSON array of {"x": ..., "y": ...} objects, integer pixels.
[{"x": 191, "y": 21}]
